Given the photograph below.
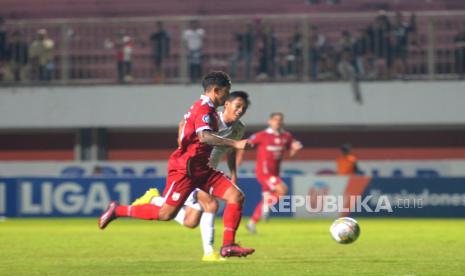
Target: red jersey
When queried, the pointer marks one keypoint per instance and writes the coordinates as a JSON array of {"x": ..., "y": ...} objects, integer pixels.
[
  {"x": 192, "y": 157},
  {"x": 270, "y": 150}
]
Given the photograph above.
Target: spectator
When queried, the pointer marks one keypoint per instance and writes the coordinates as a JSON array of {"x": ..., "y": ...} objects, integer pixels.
[
  {"x": 327, "y": 67},
  {"x": 193, "y": 37},
  {"x": 347, "y": 162},
  {"x": 268, "y": 49},
  {"x": 317, "y": 47},
  {"x": 245, "y": 51},
  {"x": 400, "y": 37},
  {"x": 124, "y": 48},
  {"x": 381, "y": 34},
  {"x": 346, "y": 43},
  {"x": 345, "y": 66},
  {"x": 364, "y": 57},
  {"x": 41, "y": 56},
  {"x": 459, "y": 41},
  {"x": 17, "y": 51},
  {"x": 160, "y": 41},
  {"x": 2, "y": 46},
  {"x": 294, "y": 57}
]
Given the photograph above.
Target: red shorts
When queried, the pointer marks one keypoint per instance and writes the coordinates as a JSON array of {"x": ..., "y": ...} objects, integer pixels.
[
  {"x": 269, "y": 182},
  {"x": 179, "y": 186}
]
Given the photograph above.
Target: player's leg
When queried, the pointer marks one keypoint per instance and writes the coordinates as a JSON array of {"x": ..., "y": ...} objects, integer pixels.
[
  {"x": 188, "y": 215},
  {"x": 207, "y": 225},
  {"x": 221, "y": 187},
  {"x": 201, "y": 208},
  {"x": 273, "y": 188},
  {"x": 262, "y": 208},
  {"x": 175, "y": 194}
]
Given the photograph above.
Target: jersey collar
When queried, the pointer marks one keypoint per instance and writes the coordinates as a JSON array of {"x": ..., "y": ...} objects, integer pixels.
[
  {"x": 270, "y": 131},
  {"x": 221, "y": 115},
  {"x": 207, "y": 100}
]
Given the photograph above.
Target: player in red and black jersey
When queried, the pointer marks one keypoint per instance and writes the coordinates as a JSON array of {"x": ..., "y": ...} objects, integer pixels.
[
  {"x": 188, "y": 168},
  {"x": 271, "y": 144}
]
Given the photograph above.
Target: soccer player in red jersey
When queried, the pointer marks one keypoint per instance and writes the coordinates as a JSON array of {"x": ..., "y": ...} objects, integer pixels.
[
  {"x": 271, "y": 145},
  {"x": 188, "y": 168}
]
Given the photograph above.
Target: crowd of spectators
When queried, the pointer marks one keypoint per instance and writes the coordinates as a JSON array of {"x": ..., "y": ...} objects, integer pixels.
[
  {"x": 380, "y": 50},
  {"x": 20, "y": 61}
]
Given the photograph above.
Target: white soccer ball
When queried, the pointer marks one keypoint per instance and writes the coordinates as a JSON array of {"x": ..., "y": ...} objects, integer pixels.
[{"x": 345, "y": 230}]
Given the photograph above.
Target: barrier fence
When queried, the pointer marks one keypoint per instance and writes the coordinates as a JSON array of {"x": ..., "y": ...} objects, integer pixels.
[{"x": 321, "y": 47}]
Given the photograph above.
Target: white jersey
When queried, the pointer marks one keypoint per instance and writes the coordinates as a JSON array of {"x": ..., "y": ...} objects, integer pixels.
[{"x": 235, "y": 132}]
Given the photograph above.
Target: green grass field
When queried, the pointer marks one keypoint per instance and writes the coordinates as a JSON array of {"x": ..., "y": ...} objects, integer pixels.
[{"x": 283, "y": 247}]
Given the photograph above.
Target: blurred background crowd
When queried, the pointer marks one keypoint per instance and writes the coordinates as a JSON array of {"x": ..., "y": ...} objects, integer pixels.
[{"x": 381, "y": 42}]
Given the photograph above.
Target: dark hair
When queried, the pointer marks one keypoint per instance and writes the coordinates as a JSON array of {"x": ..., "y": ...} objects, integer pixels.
[
  {"x": 217, "y": 78},
  {"x": 276, "y": 114},
  {"x": 345, "y": 148},
  {"x": 239, "y": 94}
]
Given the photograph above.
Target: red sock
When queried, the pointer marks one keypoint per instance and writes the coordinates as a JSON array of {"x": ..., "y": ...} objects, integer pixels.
[
  {"x": 145, "y": 211},
  {"x": 257, "y": 214},
  {"x": 231, "y": 219}
]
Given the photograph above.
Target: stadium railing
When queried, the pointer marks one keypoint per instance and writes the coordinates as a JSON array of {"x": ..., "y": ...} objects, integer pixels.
[{"x": 85, "y": 50}]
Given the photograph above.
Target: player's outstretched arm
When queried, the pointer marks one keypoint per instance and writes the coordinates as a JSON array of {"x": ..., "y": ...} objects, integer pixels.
[
  {"x": 212, "y": 139},
  {"x": 295, "y": 147},
  {"x": 231, "y": 158}
]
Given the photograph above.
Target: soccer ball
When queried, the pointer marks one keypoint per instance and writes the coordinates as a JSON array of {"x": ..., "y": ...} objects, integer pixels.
[{"x": 345, "y": 230}]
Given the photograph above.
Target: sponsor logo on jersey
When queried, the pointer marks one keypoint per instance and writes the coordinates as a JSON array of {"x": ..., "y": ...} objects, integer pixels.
[
  {"x": 206, "y": 118},
  {"x": 175, "y": 196},
  {"x": 274, "y": 148}
]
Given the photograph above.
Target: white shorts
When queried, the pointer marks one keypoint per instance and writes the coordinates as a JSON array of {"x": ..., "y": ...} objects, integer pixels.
[{"x": 191, "y": 201}]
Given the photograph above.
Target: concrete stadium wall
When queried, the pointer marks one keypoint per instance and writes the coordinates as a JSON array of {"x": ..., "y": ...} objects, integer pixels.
[{"x": 305, "y": 104}]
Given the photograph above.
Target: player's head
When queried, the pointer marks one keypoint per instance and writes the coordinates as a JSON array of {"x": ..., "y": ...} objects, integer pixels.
[
  {"x": 236, "y": 105},
  {"x": 345, "y": 148},
  {"x": 276, "y": 121},
  {"x": 216, "y": 86}
]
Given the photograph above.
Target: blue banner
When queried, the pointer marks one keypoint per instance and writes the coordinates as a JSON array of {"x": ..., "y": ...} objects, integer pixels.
[
  {"x": 415, "y": 197},
  {"x": 88, "y": 197}
]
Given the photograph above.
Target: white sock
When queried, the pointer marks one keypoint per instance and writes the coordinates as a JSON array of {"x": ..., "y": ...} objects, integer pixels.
[
  {"x": 207, "y": 231},
  {"x": 180, "y": 216},
  {"x": 265, "y": 206},
  {"x": 158, "y": 201}
]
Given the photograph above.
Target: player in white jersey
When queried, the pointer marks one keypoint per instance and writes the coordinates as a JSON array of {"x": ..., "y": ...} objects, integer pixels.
[{"x": 201, "y": 207}]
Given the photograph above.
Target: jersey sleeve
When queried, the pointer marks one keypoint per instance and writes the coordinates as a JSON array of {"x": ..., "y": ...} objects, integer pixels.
[
  {"x": 256, "y": 138},
  {"x": 203, "y": 120}
]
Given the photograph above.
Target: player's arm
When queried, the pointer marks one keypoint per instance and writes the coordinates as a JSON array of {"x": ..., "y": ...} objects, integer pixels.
[
  {"x": 295, "y": 147},
  {"x": 239, "y": 157},
  {"x": 180, "y": 127},
  {"x": 208, "y": 137},
  {"x": 232, "y": 165}
]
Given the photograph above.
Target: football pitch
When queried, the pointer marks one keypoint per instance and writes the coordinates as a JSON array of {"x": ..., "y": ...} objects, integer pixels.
[{"x": 283, "y": 247}]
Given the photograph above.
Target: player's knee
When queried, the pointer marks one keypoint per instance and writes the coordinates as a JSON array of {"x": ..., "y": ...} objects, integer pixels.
[
  {"x": 281, "y": 190},
  {"x": 239, "y": 197},
  {"x": 211, "y": 206},
  {"x": 190, "y": 223},
  {"x": 166, "y": 215}
]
